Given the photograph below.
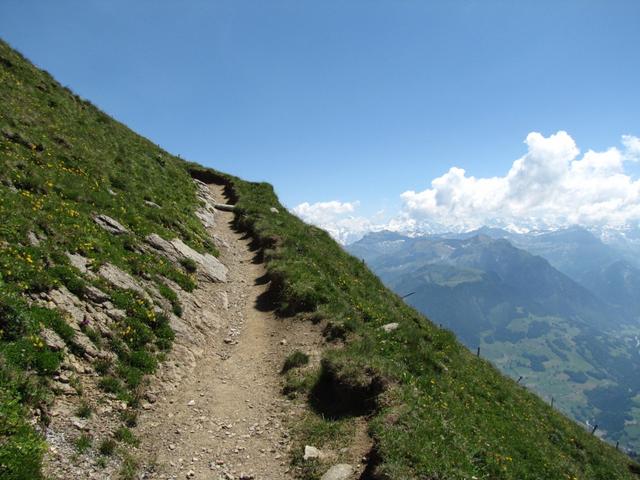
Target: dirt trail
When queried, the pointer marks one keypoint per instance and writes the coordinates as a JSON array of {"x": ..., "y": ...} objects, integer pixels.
[{"x": 218, "y": 412}]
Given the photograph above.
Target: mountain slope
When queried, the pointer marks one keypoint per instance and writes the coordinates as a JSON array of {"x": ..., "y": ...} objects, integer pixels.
[
  {"x": 433, "y": 409},
  {"x": 529, "y": 319},
  {"x": 609, "y": 269},
  {"x": 63, "y": 163}
]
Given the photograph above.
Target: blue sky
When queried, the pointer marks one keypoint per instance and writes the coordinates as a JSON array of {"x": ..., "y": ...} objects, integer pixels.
[{"x": 346, "y": 101}]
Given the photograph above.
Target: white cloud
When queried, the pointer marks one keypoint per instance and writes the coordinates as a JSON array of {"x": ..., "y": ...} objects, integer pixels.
[
  {"x": 632, "y": 147},
  {"x": 550, "y": 186},
  {"x": 335, "y": 217}
]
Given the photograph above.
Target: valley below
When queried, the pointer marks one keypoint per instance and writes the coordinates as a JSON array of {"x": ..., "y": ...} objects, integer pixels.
[{"x": 561, "y": 320}]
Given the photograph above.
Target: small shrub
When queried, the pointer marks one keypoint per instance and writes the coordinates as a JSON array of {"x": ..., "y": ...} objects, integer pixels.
[
  {"x": 132, "y": 376},
  {"x": 102, "y": 366},
  {"x": 167, "y": 292},
  {"x": 164, "y": 335},
  {"x": 32, "y": 353},
  {"x": 294, "y": 360},
  {"x": 143, "y": 360},
  {"x": 129, "y": 417},
  {"x": 123, "y": 434},
  {"x": 189, "y": 265},
  {"x": 84, "y": 410},
  {"x": 110, "y": 384},
  {"x": 107, "y": 446},
  {"x": 93, "y": 335},
  {"x": 82, "y": 443},
  {"x": 129, "y": 468}
]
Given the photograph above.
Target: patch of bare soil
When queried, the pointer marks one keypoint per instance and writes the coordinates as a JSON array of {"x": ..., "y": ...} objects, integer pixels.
[{"x": 216, "y": 409}]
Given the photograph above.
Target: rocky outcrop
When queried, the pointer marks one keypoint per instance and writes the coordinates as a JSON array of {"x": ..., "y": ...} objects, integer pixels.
[
  {"x": 121, "y": 279},
  {"x": 78, "y": 261},
  {"x": 110, "y": 225},
  {"x": 390, "y": 327},
  {"x": 342, "y": 471},
  {"x": 77, "y": 313},
  {"x": 206, "y": 212},
  {"x": 176, "y": 250},
  {"x": 52, "y": 340}
]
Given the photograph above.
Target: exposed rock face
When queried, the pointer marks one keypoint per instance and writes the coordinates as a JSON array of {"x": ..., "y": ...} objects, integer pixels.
[
  {"x": 311, "y": 452},
  {"x": 110, "y": 225},
  {"x": 120, "y": 279},
  {"x": 342, "y": 471},
  {"x": 176, "y": 250},
  {"x": 77, "y": 314},
  {"x": 52, "y": 339},
  {"x": 390, "y": 327},
  {"x": 95, "y": 294},
  {"x": 33, "y": 239},
  {"x": 205, "y": 213},
  {"x": 78, "y": 261}
]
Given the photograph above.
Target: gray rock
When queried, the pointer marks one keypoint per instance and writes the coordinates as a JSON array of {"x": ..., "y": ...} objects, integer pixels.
[
  {"x": 52, "y": 339},
  {"x": 120, "y": 279},
  {"x": 342, "y": 471},
  {"x": 63, "y": 388},
  {"x": 207, "y": 217},
  {"x": 151, "y": 204},
  {"x": 68, "y": 303},
  {"x": 95, "y": 294},
  {"x": 116, "y": 314},
  {"x": 311, "y": 452},
  {"x": 33, "y": 239},
  {"x": 176, "y": 250},
  {"x": 78, "y": 261},
  {"x": 274, "y": 210},
  {"x": 110, "y": 225},
  {"x": 101, "y": 321},
  {"x": 224, "y": 207},
  {"x": 390, "y": 327},
  {"x": 81, "y": 341}
]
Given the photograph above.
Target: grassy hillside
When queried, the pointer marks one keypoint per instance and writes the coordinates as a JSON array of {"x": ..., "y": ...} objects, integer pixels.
[
  {"x": 62, "y": 161},
  {"x": 434, "y": 410}
]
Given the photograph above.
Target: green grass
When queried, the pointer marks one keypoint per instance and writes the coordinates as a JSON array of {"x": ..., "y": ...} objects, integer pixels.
[
  {"x": 435, "y": 410},
  {"x": 123, "y": 434},
  {"x": 107, "y": 447},
  {"x": 294, "y": 360},
  {"x": 63, "y": 161},
  {"x": 84, "y": 410},
  {"x": 83, "y": 443}
]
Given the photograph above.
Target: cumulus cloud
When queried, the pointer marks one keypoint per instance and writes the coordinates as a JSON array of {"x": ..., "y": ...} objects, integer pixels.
[
  {"x": 336, "y": 218},
  {"x": 550, "y": 186},
  {"x": 632, "y": 147}
]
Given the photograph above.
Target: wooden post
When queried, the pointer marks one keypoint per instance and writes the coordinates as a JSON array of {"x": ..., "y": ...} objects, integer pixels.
[
  {"x": 552, "y": 402},
  {"x": 595, "y": 427},
  {"x": 478, "y": 354},
  {"x": 617, "y": 445}
]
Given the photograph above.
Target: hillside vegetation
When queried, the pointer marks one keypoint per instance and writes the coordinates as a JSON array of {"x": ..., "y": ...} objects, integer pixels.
[
  {"x": 62, "y": 161},
  {"x": 434, "y": 410}
]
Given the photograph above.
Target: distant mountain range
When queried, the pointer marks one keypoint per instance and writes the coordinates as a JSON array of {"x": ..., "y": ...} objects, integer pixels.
[{"x": 560, "y": 309}]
